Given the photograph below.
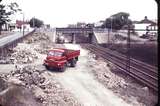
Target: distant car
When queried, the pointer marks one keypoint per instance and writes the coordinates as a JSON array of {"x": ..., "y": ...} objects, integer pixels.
[
  {"x": 152, "y": 37},
  {"x": 144, "y": 36},
  {"x": 60, "y": 58},
  {"x": 60, "y": 39}
]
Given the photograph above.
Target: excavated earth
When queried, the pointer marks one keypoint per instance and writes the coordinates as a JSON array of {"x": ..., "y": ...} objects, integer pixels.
[{"x": 24, "y": 81}]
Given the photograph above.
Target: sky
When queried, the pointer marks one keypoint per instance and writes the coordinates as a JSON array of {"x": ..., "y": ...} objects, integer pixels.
[{"x": 60, "y": 13}]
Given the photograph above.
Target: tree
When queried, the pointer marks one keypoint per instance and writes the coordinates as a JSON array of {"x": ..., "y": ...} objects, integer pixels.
[
  {"x": 117, "y": 21},
  {"x": 34, "y": 22},
  {"x": 6, "y": 11}
]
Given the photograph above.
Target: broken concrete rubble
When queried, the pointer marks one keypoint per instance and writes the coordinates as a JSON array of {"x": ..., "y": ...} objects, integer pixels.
[
  {"x": 23, "y": 53},
  {"x": 13, "y": 94},
  {"x": 46, "y": 90},
  {"x": 41, "y": 84},
  {"x": 36, "y": 37},
  {"x": 124, "y": 86}
]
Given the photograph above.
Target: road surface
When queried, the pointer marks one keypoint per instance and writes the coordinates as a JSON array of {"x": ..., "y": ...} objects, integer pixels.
[
  {"x": 87, "y": 90},
  {"x": 11, "y": 38}
]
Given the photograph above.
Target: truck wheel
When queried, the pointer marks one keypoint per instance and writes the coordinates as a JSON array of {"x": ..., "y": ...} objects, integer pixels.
[
  {"x": 76, "y": 58},
  {"x": 47, "y": 67},
  {"x": 73, "y": 63},
  {"x": 63, "y": 68}
]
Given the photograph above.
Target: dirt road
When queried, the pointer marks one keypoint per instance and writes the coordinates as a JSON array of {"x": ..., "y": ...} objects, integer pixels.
[{"x": 81, "y": 83}]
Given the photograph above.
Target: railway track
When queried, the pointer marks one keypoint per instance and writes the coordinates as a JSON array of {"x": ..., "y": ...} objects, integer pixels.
[{"x": 141, "y": 71}]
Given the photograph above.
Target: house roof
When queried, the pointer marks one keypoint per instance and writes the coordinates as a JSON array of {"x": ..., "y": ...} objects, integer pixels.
[
  {"x": 19, "y": 22},
  {"x": 146, "y": 21}
]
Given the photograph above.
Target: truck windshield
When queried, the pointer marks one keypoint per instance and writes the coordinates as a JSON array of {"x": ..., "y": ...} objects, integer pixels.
[{"x": 55, "y": 53}]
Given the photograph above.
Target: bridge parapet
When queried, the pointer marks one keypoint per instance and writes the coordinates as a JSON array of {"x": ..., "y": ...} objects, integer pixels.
[
  {"x": 100, "y": 30},
  {"x": 74, "y": 30}
]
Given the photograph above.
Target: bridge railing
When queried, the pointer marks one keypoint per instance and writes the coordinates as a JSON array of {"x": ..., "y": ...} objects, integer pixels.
[
  {"x": 74, "y": 30},
  {"x": 100, "y": 30}
]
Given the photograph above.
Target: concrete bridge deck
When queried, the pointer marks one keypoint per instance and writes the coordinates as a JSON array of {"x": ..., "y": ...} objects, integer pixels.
[{"x": 74, "y": 30}]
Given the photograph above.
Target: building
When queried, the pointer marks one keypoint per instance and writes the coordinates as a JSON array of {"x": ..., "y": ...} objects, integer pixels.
[
  {"x": 90, "y": 25},
  {"x": 5, "y": 27},
  {"x": 71, "y": 26},
  {"x": 81, "y": 24},
  {"x": 99, "y": 23},
  {"x": 11, "y": 26},
  {"x": 145, "y": 26}
]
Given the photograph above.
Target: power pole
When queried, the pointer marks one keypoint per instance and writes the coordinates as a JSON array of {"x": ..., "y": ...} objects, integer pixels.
[
  {"x": 110, "y": 31},
  {"x": 33, "y": 22},
  {"x": 108, "y": 35},
  {"x": 23, "y": 24},
  {"x": 128, "y": 50}
]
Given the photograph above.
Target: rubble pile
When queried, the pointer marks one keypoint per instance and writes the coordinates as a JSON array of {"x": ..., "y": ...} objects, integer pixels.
[
  {"x": 124, "y": 86},
  {"x": 46, "y": 90},
  {"x": 5, "y": 59},
  {"x": 37, "y": 37},
  {"x": 34, "y": 78},
  {"x": 44, "y": 47},
  {"x": 12, "y": 94},
  {"x": 40, "y": 41},
  {"x": 26, "y": 52},
  {"x": 23, "y": 53}
]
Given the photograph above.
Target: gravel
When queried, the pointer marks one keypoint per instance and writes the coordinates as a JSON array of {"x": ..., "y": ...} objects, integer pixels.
[
  {"x": 46, "y": 90},
  {"x": 23, "y": 54},
  {"x": 121, "y": 84}
]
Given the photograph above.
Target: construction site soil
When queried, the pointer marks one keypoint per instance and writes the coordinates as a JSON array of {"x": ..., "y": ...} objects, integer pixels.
[{"x": 93, "y": 82}]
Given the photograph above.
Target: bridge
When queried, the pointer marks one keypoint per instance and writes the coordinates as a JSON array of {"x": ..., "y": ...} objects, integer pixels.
[{"x": 75, "y": 31}]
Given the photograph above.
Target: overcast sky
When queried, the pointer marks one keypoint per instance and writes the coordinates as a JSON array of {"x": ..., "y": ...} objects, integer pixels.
[{"x": 60, "y": 13}]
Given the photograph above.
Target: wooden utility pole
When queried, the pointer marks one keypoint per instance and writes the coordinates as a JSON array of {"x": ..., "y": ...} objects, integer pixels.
[
  {"x": 23, "y": 24},
  {"x": 128, "y": 50}
]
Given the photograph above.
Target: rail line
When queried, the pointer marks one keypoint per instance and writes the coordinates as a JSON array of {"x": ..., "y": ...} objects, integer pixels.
[{"x": 141, "y": 71}]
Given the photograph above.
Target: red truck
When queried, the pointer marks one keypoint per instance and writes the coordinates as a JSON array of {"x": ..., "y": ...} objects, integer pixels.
[{"x": 60, "y": 58}]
